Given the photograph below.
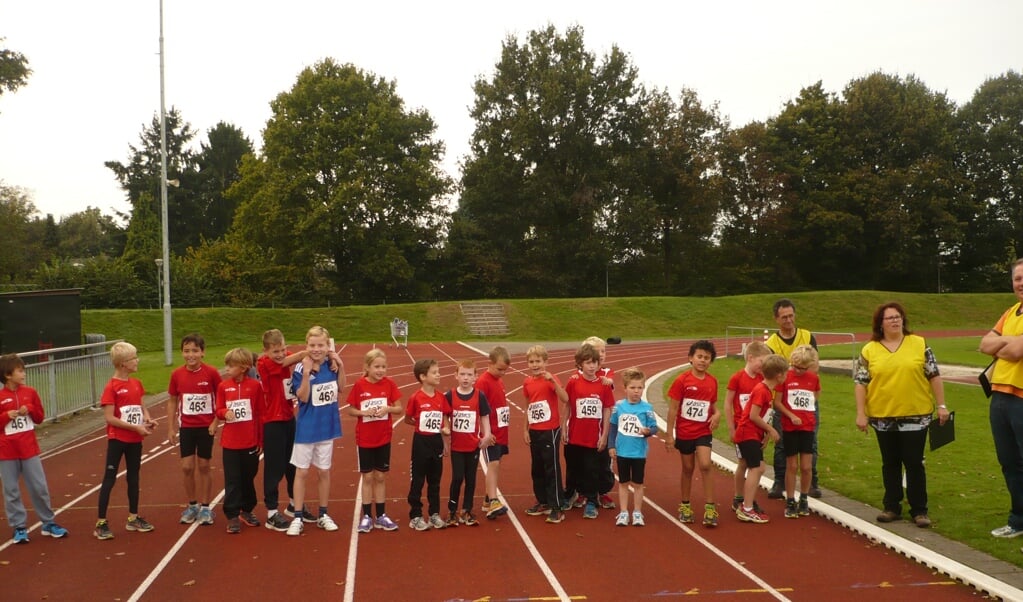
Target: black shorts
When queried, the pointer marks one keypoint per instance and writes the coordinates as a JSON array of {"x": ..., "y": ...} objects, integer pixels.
[
  {"x": 797, "y": 442},
  {"x": 496, "y": 452},
  {"x": 375, "y": 458},
  {"x": 631, "y": 470},
  {"x": 752, "y": 452},
  {"x": 196, "y": 441},
  {"x": 688, "y": 446}
]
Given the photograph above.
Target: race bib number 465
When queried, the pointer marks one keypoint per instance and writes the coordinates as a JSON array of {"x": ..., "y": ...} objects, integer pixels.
[{"x": 430, "y": 421}]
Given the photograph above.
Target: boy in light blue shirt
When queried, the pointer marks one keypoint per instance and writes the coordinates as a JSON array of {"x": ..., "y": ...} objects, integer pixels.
[{"x": 632, "y": 422}]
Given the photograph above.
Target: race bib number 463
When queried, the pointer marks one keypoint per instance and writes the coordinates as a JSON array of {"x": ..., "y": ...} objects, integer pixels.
[{"x": 194, "y": 404}]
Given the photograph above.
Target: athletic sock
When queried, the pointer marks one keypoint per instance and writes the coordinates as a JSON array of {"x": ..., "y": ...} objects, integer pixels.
[
  {"x": 380, "y": 509},
  {"x": 366, "y": 509},
  {"x": 323, "y": 510}
]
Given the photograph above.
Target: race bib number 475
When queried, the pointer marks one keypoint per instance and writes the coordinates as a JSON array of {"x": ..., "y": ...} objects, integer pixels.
[{"x": 629, "y": 425}]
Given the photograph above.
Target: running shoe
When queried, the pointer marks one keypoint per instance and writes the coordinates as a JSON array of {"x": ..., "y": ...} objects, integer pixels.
[
  {"x": 538, "y": 509},
  {"x": 295, "y": 528},
  {"x": 365, "y": 524},
  {"x": 234, "y": 525},
  {"x": 437, "y": 522},
  {"x": 469, "y": 519},
  {"x": 637, "y": 519},
  {"x": 777, "y": 492},
  {"x": 791, "y": 509},
  {"x": 206, "y": 516},
  {"x": 573, "y": 499},
  {"x": 307, "y": 517},
  {"x": 249, "y": 519},
  {"x": 890, "y": 516},
  {"x": 815, "y": 491},
  {"x": 750, "y": 516},
  {"x": 103, "y": 530},
  {"x": 326, "y": 523},
  {"x": 710, "y": 515},
  {"x": 622, "y": 520},
  {"x": 579, "y": 502},
  {"x": 804, "y": 506},
  {"x": 20, "y": 535},
  {"x": 495, "y": 509},
  {"x": 590, "y": 511},
  {"x": 190, "y": 514},
  {"x": 556, "y": 516},
  {"x": 384, "y": 522},
  {"x": 139, "y": 524},
  {"x": 290, "y": 511},
  {"x": 277, "y": 522},
  {"x": 736, "y": 502},
  {"x": 759, "y": 510},
  {"x": 606, "y": 502},
  {"x": 922, "y": 520},
  {"x": 54, "y": 530},
  {"x": 685, "y": 513},
  {"x": 418, "y": 524}
]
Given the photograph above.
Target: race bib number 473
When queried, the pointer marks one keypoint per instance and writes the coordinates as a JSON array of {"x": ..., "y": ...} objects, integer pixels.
[{"x": 463, "y": 421}]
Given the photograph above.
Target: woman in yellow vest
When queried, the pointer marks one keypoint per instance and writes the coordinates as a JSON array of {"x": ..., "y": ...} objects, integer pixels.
[
  {"x": 897, "y": 387},
  {"x": 1005, "y": 343}
]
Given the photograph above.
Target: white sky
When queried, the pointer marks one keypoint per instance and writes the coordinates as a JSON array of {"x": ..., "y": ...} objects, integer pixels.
[{"x": 95, "y": 79}]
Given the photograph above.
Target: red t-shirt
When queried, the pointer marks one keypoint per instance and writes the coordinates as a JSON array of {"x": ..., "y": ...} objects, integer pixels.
[
  {"x": 492, "y": 388},
  {"x": 697, "y": 397},
  {"x": 369, "y": 431},
  {"x": 742, "y": 384},
  {"x": 541, "y": 403},
  {"x": 587, "y": 400},
  {"x": 466, "y": 413},
  {"x": 798, "y": 393},
  {"x": 276, "y": 381},
  {"x": 195, "y": 391},
  {"x": 428, "y": 411},
  {"x": 760, "y": 400},
  {"x": 126, "y": 397},
  {"x": 18, "y": 435},
  {"x": 246, "y": 399}
]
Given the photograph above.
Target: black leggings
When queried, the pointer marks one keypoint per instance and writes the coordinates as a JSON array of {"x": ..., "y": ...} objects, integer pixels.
[
  {"x": 132, "y": 453},
  {"x": 278, "y": 440},
  {"x": 463, "y": 468}
]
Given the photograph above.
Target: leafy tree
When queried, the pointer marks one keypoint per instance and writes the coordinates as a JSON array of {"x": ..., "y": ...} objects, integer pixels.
[
  {"x": 550, "y": 123},
  {"x": 219, "y": 164},
  {"x": 89, "y": 233},
  {"x": 17, "y": 214},
  {"x": 143, "y": 244},
  {"x": 14, "y": 70},
  {"x": 349, "y": 184},
  {"x": 105, "y": 282}
]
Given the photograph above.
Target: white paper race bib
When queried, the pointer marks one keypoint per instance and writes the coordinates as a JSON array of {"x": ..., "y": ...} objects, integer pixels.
[
  {"x": 463, "y": 421},
  {"x": 132, "y": 414},
  {"x": 242, "y": 409},
  {"x": 629, "y": 425},
  {"x": 369, "y": 405},
  {"x": 696, "y": 410},
  {"x": 20, "y": 424},
  {"x": 324, "y": 394},
  {"x": 743, "y": 400},
  {"x": 503, "y": 417},
  {"x": 538, "y": 412},
  {"x": 588, "y": 408},
  {"x": 430, "y": 421},
  {"x": 287, "y": 390},
  {"x": 193, "y": 404},
  {"x": 801, "y": 399}
]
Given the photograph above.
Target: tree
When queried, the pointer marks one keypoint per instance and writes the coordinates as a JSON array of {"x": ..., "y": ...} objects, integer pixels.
[
  {"x": 89, "y": 233},
  {"x": 349, "y": 185},
  {"x": 218, "y": 163},
  {"x": 14, "y": 70},
  {"x": 17, "y": 213},
  {"x": 550, "y": 123}
]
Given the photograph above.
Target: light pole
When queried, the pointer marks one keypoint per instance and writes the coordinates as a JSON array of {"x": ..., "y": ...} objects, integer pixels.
[
  {"x": 163, "y": 212},
  {"x": 159, "y": 282}
]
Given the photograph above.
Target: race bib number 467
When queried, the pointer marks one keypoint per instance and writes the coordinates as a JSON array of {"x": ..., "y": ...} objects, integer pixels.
[{"x": 132, "y": 414}]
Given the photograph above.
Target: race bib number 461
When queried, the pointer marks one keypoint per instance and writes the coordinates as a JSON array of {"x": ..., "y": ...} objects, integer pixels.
[{"x": 20, "y": 424}]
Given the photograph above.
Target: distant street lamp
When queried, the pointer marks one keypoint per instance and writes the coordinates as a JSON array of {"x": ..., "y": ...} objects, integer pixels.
[
  {"x": 159, "y": 282},
  {"x": 165, "y": 241}
]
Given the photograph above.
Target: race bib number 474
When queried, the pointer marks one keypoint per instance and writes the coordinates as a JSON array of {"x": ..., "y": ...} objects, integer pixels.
[{"x": 696, "y": 410}]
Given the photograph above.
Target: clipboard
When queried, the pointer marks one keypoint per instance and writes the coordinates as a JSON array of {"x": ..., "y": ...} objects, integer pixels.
[
  {"x": 985, "y": 378},
  {"x": 942, "y": 434}
]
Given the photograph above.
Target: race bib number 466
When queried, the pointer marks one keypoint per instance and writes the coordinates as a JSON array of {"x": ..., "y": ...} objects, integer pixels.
[{"x": 242, "y": 409}]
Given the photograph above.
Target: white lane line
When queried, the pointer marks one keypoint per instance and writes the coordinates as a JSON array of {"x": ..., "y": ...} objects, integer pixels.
[
  {"x": 353, "y": 545},
  {"x": 60, "y": 450}
]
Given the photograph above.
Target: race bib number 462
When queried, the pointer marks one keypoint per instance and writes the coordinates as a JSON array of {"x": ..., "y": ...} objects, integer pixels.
[{"x": 324, "y": 394}]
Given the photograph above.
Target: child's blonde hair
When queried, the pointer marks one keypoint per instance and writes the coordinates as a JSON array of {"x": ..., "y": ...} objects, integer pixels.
[
  {"x": 804, "y": 357},
  {"x": 238, "y": 357},
  {"x": 757, "y": 349},
  {"x": 774, "y": 366},
  {"x": 631, "y": 374},
  {"x": 121, "y": 352},
  {"x": 371, "y": 356},
  {"x": 539, "y": 351},
  {"x": 597, "y": 342},
  {"x": 272, "y": 337},
  {"x": 317, "y": 331}
]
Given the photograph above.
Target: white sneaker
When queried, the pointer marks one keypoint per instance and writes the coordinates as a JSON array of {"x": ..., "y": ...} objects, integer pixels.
[
  {"x": 418, "y": 524},
  {"x": 326, "y": 523},
  {"x": 637, "y": 519},
  {"x": 295, "y": 528},
  {"x": 437, "y": 522},
  {"x": 623, "y": 519}
]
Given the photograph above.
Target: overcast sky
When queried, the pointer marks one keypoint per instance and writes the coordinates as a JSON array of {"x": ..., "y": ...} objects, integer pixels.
[{"x": 95, "y": 80}]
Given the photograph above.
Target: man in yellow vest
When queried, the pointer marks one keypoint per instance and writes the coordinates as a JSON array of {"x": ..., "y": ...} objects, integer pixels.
[{"x": 782, "y": 342}]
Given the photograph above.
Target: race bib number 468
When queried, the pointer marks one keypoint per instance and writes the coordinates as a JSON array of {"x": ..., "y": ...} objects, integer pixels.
[{"x": 801, "y": 399}]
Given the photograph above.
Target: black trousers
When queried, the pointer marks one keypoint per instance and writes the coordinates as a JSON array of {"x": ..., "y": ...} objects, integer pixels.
[
  {"x": 463, "y": 468},
  {"x": 546, "y": 466},
  {"x": 278, "y": 439},
  {"x": 583, "y": 463},
  {"x": 427, "y": 467},
  {"x": 240, "y": 468},
  {"x": 132, "y": 453}
]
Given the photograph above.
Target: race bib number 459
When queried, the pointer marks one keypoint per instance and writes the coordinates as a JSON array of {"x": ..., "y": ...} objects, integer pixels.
[{"x": 587, "y": 407}]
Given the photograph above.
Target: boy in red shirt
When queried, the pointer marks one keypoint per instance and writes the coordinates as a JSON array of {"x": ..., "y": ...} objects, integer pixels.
[
  {"x": 491, "y": 385},
  {"x": 430, "y": 414},
  {"x": 544, "y": 396},
  {"x": 20, "y": 410},
  {"x": 590, "y": 402},
  {"x": 692, "y": 418},
  {"x": 191, "y": 391},
  {"x": 740, "y": 385},
  {"x": 798, "y": 404},
  {"x": 470, "y": 430},
  {"x": 240, "y": 405},
  {"x": 128, "y": 423},
  {"x": 373, "y": 399},
  {"x": 275, "y": 367},
  {"x": 749, "y": 434},
  {"x": 606, "y": 481}
]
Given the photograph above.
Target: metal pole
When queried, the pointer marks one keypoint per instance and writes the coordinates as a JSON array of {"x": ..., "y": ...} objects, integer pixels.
[{"x": 163, "y": 212}]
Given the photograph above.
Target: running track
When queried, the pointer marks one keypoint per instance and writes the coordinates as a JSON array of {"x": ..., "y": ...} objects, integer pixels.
[{"x": 516, "y": 557}]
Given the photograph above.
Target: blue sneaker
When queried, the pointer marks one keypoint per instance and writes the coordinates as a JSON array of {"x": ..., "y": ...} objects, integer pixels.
[
  {"x": 21, "y": 535},
  {"x": 54, "y": 530},
  {"x": 590, "y": 511}
]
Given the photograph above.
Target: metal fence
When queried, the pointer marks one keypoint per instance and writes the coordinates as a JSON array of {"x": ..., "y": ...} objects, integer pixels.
[{"x": 68, "y": 379}]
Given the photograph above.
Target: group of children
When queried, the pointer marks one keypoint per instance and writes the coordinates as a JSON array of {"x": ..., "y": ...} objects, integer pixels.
[{"x": 291, "y": 414}]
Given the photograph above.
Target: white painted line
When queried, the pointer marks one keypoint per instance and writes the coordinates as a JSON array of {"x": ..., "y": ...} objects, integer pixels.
[
  {"x": 59, "y": 450},
  {"x": 353, "y": 544}
]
